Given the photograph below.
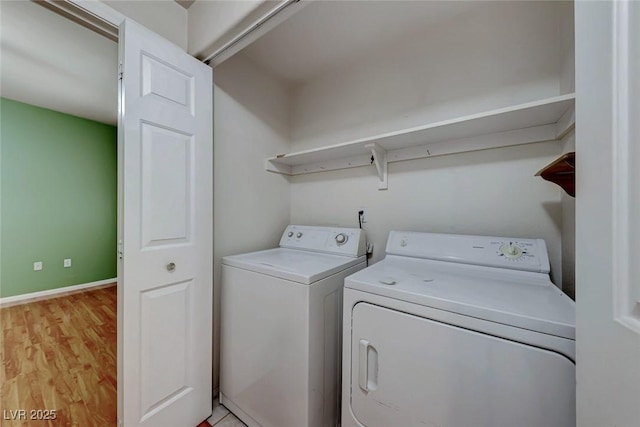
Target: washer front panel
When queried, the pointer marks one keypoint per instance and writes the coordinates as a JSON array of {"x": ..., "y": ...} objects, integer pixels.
[{"x": 280, "y": 348}]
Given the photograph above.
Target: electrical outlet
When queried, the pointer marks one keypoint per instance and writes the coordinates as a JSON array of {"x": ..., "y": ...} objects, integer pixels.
[
  {"x": 67, "y": 263},
  {"x": 37, "y": 266},
  {"x": 361, "y": 216}
]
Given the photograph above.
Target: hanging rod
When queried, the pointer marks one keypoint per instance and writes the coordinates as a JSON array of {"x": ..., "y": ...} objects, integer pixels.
[
  {"x": 74, "y": 10},
  {"x": 82, "y": 16},
  {"x": 264, "y": 24}
]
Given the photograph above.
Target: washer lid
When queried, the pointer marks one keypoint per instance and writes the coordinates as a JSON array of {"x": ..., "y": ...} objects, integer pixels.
[
  {"x": 518, "y": 298},
  {"x": 296, "y": 265}
]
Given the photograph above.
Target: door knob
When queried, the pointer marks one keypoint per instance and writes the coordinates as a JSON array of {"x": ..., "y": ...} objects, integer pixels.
[{"x": 171, "y": 266}]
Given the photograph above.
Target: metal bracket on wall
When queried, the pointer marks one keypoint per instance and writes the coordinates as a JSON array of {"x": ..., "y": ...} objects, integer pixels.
[{"x": 379, "y": 156}]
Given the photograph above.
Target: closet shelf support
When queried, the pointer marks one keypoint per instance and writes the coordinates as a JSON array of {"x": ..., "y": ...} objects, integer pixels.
[{"x": 379, "y": 158}]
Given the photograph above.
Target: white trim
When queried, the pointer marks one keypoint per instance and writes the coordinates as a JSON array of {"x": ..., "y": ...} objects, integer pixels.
[
  {"x": 625, "y": 306},
  {"x": 100, "y": 10},
  {"x": 52, "y": 293}
]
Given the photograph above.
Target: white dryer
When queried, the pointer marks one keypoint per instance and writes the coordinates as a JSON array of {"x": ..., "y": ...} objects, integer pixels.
[
  {"x": 458, "y": 331},
  {"x": 281, "y": 327}
]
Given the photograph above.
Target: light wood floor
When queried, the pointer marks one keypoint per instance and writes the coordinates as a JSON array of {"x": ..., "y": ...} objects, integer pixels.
[{"x": 61, "y": 354}]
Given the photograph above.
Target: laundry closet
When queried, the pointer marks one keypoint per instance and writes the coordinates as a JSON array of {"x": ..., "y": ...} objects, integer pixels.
[{"x": 466, "y": 100}]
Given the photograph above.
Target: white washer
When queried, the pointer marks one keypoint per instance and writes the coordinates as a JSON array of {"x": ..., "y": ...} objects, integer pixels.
[
  {"x": 281, "y": 327},
  {"x": 458, "y": 331}
]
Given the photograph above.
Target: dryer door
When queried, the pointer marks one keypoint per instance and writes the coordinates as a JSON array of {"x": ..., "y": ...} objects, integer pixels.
[{"x": 411, "y": 371}]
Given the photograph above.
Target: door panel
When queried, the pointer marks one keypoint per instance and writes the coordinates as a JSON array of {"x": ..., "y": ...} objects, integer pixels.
[
  {"x": 607, "y": 212},
  {"x": 411, "y": 371},
  {"x": 167, "y": 168},
  {"x": 161, "y": 79},
  {"x": 171, "y": 304},
  {"x": 165, "y": 287}
]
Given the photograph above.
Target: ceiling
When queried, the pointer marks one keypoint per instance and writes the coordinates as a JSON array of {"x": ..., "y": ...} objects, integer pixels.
[
  {"x": 54, "y": 63},
  {"x": 325, "y": 34}
]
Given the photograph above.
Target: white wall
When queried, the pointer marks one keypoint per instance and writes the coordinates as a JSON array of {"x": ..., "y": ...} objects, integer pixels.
[
  {"x": 251, "y": 207},
  {"x": 505, "y": 53},
  {"x": 165, "y": 17},
  {"x": 502, "y": 54},
  {"x": 490, "y": 192},
  {"x": 568, "y": 72}
]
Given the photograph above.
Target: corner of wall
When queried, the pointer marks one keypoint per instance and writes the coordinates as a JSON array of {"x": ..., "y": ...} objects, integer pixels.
[
  {"x": 568, "y": 235},
  {"x": 252, "y": 206},
  {"x": 567, "y": 36}
]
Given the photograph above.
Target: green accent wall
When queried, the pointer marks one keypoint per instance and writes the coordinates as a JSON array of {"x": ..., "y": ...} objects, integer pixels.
[{"x": 58, "y": 194}]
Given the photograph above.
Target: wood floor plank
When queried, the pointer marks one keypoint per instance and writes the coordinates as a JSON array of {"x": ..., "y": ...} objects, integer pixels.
[{"x": 61, "y": 354}]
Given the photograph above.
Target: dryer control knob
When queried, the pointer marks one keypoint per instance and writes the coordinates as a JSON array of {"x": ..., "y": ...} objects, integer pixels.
[
  {"x": 289, "y": 234},
  {"x": 299, "y": 235},
  {"x": 511, "y": 250},
  {"x": 341, "y": 239}
]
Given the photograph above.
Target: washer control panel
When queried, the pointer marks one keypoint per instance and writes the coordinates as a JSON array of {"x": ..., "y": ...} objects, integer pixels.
[
  {"x": 335, "y": 240},
  {"x": 504, "y": 252}
]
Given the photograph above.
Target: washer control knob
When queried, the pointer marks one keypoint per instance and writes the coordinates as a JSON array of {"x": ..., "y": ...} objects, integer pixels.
[
  {"x": 290, "y": 234},
  {"x": 299, "y": 235},
  {"x": 341, "y": 239}
]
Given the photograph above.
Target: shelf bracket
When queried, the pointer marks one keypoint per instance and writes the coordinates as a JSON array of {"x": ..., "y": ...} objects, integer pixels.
[
  {"x": 562, "y": 172},
  {"x": 379, "y": 157}
]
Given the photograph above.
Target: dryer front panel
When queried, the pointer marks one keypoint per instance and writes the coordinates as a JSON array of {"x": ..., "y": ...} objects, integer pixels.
[{"x": 411, "y": 371}]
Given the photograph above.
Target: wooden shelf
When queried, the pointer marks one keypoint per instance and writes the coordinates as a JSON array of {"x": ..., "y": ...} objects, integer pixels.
[
  {"x": 538, "y": 121},
  {"x": 561, "y": 172}
]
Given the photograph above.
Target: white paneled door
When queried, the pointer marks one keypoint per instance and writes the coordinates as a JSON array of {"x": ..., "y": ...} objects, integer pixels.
[
  {"x": 608, "y": 213},
  {"x": 165, "y": 229}
]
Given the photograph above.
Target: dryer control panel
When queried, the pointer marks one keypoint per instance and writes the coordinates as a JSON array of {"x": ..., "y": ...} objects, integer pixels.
[
  {"x": 332, "y": 240},
  {"x": 504, "y": 252}
]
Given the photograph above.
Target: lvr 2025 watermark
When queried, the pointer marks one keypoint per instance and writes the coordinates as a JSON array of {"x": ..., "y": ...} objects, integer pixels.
[{"x": 32, "y": 414}]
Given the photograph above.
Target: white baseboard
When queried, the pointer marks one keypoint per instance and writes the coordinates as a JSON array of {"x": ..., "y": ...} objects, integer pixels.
[
  {"x": 219, "y": 412},
  {"x": 53, "y": 293}
]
